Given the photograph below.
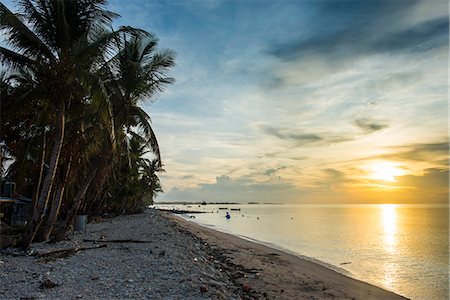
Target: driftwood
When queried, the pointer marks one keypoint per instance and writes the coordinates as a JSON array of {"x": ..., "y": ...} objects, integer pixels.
[
  {"x": 119, "y": 241},
  {"x": 52, "y": 255}
]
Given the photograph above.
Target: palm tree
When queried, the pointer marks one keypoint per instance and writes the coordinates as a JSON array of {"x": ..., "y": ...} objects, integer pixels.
[
  {"x": 141, "y": 75},
  {"x": 24, "y": 118},
  {"x": 58, "y": 42},
  {"x": 150, "y": 180},
  {"x": 136, "y": 73},
  {"x": 80, "y": 85},
  {"x": 136, "y": 181}
]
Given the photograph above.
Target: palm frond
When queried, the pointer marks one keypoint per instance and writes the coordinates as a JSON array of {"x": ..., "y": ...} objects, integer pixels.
[
  {"x": 15, "y": 60},
  {"x": 105, "y": 44},
  {"x": 38, "y": 17},
  {"x": 148, "y": 49},
  {"x": 145, "y": 125},
  {"x": 22, "y": 38}
]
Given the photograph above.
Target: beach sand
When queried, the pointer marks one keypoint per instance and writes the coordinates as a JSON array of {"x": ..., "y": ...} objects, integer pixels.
[
  {"x": 178, "y": 260},
  {"x": 281, "y": 275}
]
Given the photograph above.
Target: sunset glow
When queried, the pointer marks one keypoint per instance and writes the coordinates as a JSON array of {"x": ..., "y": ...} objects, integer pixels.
[
  {"x": 268, "y": 114},
  {"x": 386, "y": 172}
]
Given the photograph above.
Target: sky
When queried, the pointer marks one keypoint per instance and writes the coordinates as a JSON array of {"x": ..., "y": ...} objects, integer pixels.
[
  {"x": 321, "y": 101},
  {"x": 301, "y": 101}
]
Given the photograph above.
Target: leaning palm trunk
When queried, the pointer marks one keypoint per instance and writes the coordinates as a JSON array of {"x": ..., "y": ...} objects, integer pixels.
[
  {"x": 41, "y": 170},
  {"x": 104, "y": 171},
  {"x": 44, "y": 195},
  {"x": 64, "y": 227},
  {"x": 56, "y": 205}
]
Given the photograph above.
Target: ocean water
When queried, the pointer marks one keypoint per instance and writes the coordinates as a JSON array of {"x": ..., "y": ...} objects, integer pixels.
[{"x": 402, "y": 248}]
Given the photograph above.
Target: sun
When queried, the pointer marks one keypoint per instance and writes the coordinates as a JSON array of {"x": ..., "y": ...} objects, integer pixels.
[{"x": 386, "y": 172}]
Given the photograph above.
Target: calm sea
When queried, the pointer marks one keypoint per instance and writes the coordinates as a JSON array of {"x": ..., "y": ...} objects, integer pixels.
[{"x": 402, "y": 248}]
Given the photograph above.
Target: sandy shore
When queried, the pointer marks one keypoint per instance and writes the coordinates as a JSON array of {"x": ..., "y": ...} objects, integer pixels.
[
  {"x": 177, "y": 259},
  {"x": 284, "y": 276}
]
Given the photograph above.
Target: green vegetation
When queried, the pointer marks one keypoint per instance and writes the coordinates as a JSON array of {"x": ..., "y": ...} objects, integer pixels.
[{"x": 71, "y": 123}]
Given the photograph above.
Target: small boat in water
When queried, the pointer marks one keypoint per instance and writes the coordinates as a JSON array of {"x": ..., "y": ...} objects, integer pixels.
[
  {"x": 223, "y": 207},
  {"x": 236, "y": 209}
]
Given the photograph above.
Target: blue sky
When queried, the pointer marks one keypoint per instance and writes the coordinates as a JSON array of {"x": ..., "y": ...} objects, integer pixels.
[{"x": 301, "y": 101}]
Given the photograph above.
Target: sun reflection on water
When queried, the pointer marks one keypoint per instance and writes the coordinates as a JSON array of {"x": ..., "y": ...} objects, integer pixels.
[{"x": 389, "y": 225}]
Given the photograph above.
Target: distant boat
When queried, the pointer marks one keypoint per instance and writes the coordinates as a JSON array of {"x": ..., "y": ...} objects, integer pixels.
[
  {"x": 223, "y": 207},
  {"x": 236, "y": 209}
]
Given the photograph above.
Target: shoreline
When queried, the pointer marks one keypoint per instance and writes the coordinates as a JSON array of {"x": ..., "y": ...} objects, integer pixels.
[
  {"x": 158, "y": 255},
  {"x": 285, "y": 275},
  {"x": 330, "y": 266}
]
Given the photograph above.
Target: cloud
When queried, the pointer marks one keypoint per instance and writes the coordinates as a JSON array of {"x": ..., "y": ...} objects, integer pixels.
[
  {"x": 291, "y": 134},
  {"x": 432, "y": 179},
  {"x": 422, "y": 37},
  {"x": 370, "y": 126},
  {"x": 433, "y": 154},
  {"x": 431, "y": 187},
  {"x": 332, "y": 180},
  {"x": 420, "y": 152},
  {"x": 227, "y": 189},
  {"x": 315, "y": 69},
  {"x": 299, "y": 138},
  {"x": 272, "y": 171},
  {"x": 334, "y": 174},
  {"x": 357, "y": 28},
  {"x": 330, "y": 186}
]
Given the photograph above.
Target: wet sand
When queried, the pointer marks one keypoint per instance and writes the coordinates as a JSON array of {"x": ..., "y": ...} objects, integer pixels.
[{"x": 279, "y": 275}]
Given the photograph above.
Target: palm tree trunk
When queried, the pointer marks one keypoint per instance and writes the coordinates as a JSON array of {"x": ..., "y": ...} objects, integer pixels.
[
  {"x": 41, "y": 174},
  {"x": 56, "y": 205},
  {"x": 41, "y": 170},
  {"x": 103, "y": 171},
  {"x": 59, "y": 235},
  {"x": 44, "y": 195}
]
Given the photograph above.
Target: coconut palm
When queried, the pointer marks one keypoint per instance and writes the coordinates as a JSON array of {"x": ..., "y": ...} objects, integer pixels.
[
  {"x": 136, "y": 182},
  {"x": 79, "y": 85},
  {"x": 137, "y": 73},
  {"x": 141, "y": 76},
  {"x": 58, "y": 43}
]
